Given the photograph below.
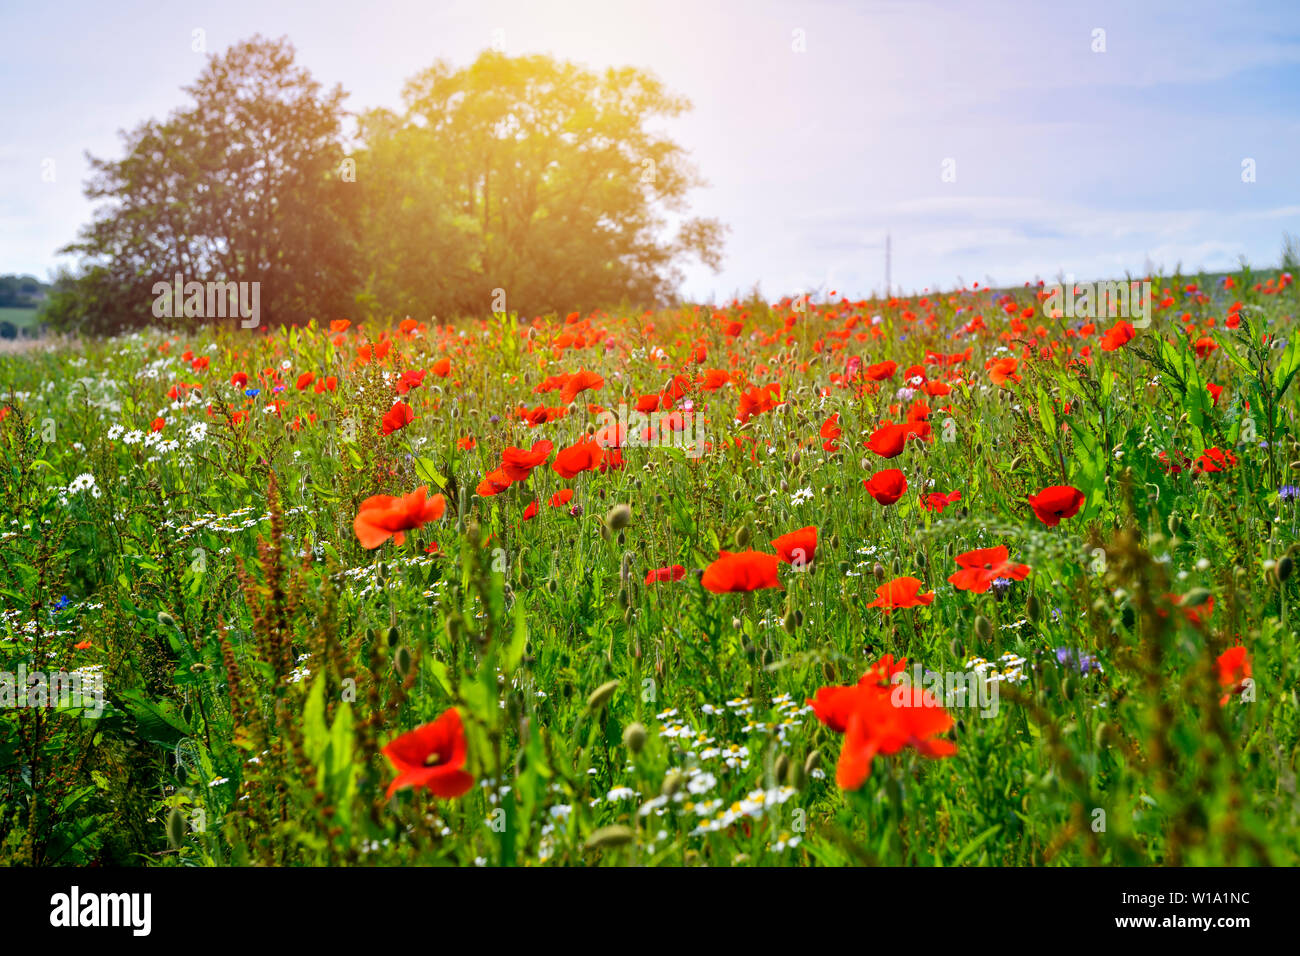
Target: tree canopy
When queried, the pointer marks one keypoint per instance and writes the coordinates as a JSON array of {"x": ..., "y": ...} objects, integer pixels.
[{"x": 514, "y": 184}]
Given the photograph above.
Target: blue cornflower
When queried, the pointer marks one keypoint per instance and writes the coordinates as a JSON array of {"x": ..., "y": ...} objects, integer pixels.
[
  {"x": 252, "y": 392},
  {"x": 1288, "y": 492},
  {"x": 1084, "y": 663}
]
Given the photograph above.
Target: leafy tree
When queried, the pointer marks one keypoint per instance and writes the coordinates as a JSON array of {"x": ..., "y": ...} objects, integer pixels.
[
  {"x": 532, "y": 176},
  {"x": 243, "y": 185}
]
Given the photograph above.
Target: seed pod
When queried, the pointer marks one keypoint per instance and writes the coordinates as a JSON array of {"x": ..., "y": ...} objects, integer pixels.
[
  {"x": 614, "y": 835},
  {"x": 601, "y": 695},
  {"x": 634, "y": 737}
]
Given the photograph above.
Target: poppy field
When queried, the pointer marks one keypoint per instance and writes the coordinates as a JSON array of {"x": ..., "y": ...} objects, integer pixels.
[{"x": 951, "y": 579}]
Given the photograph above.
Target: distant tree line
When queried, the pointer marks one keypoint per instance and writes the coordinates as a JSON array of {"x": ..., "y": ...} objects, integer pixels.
[
  {"x": 516, "y": 184},
  {"x": 21, "y": 292}
]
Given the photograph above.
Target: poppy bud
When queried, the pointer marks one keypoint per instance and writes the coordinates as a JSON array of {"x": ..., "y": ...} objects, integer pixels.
[
  {"x": 166, "y": 620},
  {"x": 742, "y": 536},
  {"x": 614, "y": 835},
  {"x": 878, "y": 571},
  {"x": 392, "y": 637},
  {"x": 955, "y": 646},
  {"x": 618, "y": 517},
  {"x": 672, "y": 783},
  {"x": 175, "y": 829},
  {"x": 1195, "y": 597},
  {"x": 622, "y": 597},
  {"x": 812, "y": 762},
  {"x": 601, "y": 695},
  {"x": 794, "y": 776},
  {"x": 1284, "y": 568},
  {"x": 551, "y": 586},
  {"x": 402, "y": 662},
  {"x": 834, "y": 542},
  {"x": 634, "y": 737},
  {"x": 1033, "y": 609},
  {"x": 896, "y": 565},
  {"x": 796, "y": 458},
  {"x": 983, "y": 629},
  {"x": 789, "y": 622},
  {"x": 781, "y": 768}
]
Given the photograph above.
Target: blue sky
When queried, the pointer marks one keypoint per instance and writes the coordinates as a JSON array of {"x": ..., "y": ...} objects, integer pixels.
[{"x": 1067, "y": 161}]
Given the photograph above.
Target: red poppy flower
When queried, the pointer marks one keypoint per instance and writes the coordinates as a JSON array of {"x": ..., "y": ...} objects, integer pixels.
[
  {"x": 830, "y": 431},
  {"x": 579, "y": 382},
  {"x": 1002, "y": 370},
  {"x": 561, "y": 497},
  {"x": 1196, "y": 614},
  {"x": 399, "y": 416},
  {"x": 981, "y": 567},
  {"x": 305, "y": 379},
  {"x": 519, "y": 464},
  {"x": 832, "y": 705},
  {"x": 673, "y": 573},
  {"x": 936, "y": 501},
  {"x": 886, "y": 486},
  {"x": 745, "y": 571},
  {"x": 383, "y": 516},
  {"x": 432, "y": 758},
  {"x": 441, "y": 368},
  {"x": 901, "y": 592},
  {"x": 530, "y": 511},
  {"x": 587, "y": 455},
  {"x": 1055, "y": 503},
  {"x": 758, "y": 400},
  {"x": 888, "y": 440},
  {"x": 158, "y": 424},
  {"x": 493, "y": 483},
  {"x": 798, "y": 548},
  {"x": 1117, "y": 337},
  {"x": 1214, "y": 460},
  {"x": 1234, "y": 670},
  {"x": 876, "y": 720},
  {"x": 880, "y": 371}
]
